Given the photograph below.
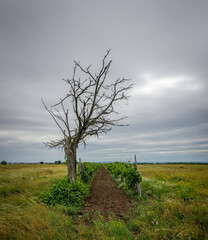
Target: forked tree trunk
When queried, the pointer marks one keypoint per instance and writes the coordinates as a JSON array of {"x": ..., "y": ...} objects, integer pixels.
[{"x": 70, "y": 152}]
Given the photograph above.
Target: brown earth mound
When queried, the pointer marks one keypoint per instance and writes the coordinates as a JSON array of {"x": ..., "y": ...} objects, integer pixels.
[{"x": 106, "y": 198}]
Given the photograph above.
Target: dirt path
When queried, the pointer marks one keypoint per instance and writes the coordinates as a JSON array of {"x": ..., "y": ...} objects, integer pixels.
[{"x": 106, "y": 197}]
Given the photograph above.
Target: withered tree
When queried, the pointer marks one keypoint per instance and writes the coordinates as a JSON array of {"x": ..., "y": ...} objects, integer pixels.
[{"x": 91, "y": 101}]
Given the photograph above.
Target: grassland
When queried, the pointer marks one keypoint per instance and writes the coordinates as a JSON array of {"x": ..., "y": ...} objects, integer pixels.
[
  {"x": 174, "y": 205},
  {"x": 21, "y": 217}
]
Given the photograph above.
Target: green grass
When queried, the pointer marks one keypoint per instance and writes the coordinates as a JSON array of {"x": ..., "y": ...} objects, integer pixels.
[
  {"x": 101, "y": 229},
  {"x": 21, "y": 217},
  {"x": 174, "y": 205}
]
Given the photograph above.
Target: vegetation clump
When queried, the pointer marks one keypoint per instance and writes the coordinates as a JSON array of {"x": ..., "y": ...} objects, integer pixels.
[
  {"x": 87, "y": 170},
  {"x": 67, "y": 193},
  {"x": 124, "y": 173},
  {"x": 58, "y": 162}
]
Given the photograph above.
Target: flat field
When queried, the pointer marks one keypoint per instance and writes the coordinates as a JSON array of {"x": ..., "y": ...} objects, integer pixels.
[
  {"x": 174, "y": 205},
  {"x": 175, "y": 201}
]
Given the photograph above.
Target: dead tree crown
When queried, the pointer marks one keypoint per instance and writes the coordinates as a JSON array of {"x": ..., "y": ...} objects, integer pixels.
[{"x": 93, "y": 103}]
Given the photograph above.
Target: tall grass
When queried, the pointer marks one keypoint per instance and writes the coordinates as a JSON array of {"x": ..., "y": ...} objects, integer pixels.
[
  {"x": 17, "y": 181},
  {"x": 100, "y": 229},
  {"x": 174, "y": 205},
  {"x": 34, "y": 221},
  {"x": 21, "y": 217}
]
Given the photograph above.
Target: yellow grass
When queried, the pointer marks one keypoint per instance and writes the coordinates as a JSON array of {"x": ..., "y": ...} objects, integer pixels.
[
  {"x": 195, "y": 175},
  {"x": 189, "y": 171},
  {"x": 21, "y": 217},
  {"x": 26, "y": 181}
]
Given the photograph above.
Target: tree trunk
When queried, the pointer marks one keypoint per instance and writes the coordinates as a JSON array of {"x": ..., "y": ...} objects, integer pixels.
[{"x": 70, "y": 152}]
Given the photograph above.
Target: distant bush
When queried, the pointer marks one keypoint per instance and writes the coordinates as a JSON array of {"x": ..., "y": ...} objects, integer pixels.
[
  {"x": 58, "y": 162},
  {"x": 41, "y": 162},
  {"x": 4, "y": 162}
]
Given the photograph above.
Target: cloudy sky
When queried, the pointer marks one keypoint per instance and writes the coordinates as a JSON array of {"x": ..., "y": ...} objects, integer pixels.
[{"x": 162, "y": 46}]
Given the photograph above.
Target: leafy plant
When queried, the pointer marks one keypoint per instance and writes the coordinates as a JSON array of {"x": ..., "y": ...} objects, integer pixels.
[
  {"x": 125, "y": 172},
  {"x": 65, "y": 193},
  {"x": 70, "y": 194},
  {"x": 132, "y": 177},
  {"x": 88, "y": 169}
]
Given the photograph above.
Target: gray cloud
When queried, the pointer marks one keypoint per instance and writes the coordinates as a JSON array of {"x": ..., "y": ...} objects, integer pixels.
[{"x": 161, "y": 45}]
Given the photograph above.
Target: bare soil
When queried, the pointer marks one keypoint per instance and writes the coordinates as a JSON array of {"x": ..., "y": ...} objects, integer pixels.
[{"x": 106, "y": 198}]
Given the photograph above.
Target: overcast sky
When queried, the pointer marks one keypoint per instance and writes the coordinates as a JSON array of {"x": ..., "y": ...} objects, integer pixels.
[{"x": 162, "y": 46}]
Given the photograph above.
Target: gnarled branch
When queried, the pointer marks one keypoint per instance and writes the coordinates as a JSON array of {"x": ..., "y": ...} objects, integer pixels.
[{"x": 92, "y": 104}]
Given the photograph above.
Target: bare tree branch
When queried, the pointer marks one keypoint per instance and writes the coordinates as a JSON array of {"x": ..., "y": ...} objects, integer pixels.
[
  {"x": 93, "y": 103},
  {"x": 55, "y": 144},
  {"x": 54, "y": 116}
]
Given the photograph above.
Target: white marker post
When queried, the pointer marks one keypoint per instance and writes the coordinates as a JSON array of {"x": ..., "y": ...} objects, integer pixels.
[{"x": 139, "y": 188}]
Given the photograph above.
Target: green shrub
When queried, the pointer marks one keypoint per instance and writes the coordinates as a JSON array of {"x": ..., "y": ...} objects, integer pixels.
[
  {"x": 65, "y": 193},
  {"x": 125, "y": 172},
  {"x": 88, "y": 169},
  {"x": 132, "y": 177},
  {"x": 4, "y": 162}
]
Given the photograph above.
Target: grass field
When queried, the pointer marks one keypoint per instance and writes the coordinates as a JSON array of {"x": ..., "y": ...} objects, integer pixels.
[
  {"x": 175, "y": 202},
  {"x": 174, "y": 205}
]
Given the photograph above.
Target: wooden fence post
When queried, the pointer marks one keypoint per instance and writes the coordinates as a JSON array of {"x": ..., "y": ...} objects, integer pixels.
[
  {"x": 80, "y": 168},
  {"x": 135, "y": 163},
  {"x": 139, "y": 188}
]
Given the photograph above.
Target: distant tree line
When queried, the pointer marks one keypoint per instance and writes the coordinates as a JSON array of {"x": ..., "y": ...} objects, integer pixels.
[{"x": 58, "y": 162}]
